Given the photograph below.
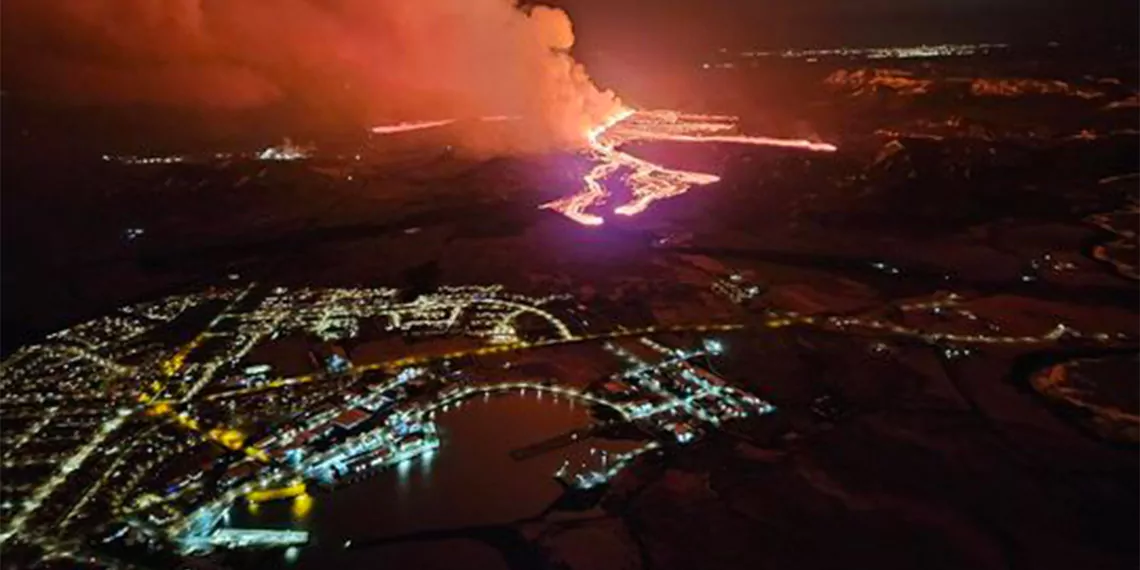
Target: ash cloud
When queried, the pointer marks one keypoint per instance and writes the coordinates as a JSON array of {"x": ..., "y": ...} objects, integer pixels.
[{"x": 362, "y": 61}]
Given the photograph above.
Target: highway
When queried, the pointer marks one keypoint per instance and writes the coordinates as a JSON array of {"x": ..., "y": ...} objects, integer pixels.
[
  {"x": 405, "y": 362},
  {"x": 836, "y": 323}
]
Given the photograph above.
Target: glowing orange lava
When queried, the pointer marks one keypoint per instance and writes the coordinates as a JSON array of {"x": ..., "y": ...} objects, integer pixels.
[
  {"x": 407, "y": 126},
  {"x": 410, "y": 126},
  {"x": 649, "y": 181}
]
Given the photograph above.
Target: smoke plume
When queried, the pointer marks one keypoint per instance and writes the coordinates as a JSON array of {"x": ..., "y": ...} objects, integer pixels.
[{"x": 368, "y": 60}]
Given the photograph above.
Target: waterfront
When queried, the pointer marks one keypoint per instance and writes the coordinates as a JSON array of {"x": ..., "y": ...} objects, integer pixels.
[
  {"x": 471, "y": 481},
  {"x": 824, "y": 368}
]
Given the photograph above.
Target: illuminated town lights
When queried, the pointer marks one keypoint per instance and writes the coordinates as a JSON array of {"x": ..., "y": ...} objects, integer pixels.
[
  {"x": 895, "y": 52},
  {"x": 286, "y": 151},
  {"x": 669, "y": 390},
  {"x": 302, "y": 504}
]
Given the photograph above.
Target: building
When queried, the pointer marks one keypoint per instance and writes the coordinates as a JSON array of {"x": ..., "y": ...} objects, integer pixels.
[
  {"x": 332, "y": 358},
  {"x": 351, "y": 418}
]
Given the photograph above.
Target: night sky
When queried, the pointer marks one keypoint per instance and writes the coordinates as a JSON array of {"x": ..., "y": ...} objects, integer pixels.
[{"x": 811, "y": 23}]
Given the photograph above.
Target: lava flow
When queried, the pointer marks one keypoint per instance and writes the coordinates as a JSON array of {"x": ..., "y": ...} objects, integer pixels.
[
  {"x": 410, "y": 126},
  {"x": 649, "y": 181}
]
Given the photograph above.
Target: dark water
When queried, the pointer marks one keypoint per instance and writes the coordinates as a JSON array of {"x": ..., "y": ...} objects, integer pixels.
[{"x": 471, "y": 481}]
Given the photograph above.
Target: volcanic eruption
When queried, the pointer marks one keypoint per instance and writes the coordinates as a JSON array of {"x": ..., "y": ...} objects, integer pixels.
[
  {"x": 318, "y": 62},
  {"x": 649, "y": 181},
  {"x": 406, "y": 64}
]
